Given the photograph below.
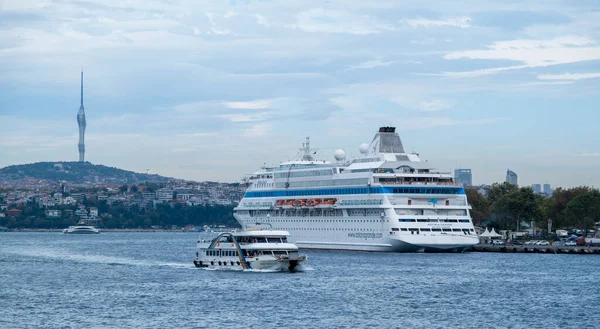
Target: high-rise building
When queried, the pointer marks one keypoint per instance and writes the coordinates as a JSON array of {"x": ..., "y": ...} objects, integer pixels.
[
  {"x": 82, "y": 124},
  {"x": 548, "y": 190},
  {"x": 511, "y": 177},
  {"x": 463, "y": 176},
  {"x": 537, "y": 188}
]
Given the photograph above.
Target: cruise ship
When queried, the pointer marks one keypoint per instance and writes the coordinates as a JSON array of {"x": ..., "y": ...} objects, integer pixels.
[{"x": 385, "y": 200}]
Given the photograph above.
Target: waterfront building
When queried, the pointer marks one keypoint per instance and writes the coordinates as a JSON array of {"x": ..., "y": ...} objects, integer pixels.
[
  {"x": 463, "y": 176},
  {"x": 53, "y": 213},
  {"x": 93, "y": 212},
  {"x": 511, "y": 177}
]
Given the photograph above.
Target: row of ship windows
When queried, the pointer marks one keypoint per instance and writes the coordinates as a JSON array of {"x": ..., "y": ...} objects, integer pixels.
[
  {"x": 343, "y": 191},
  {"x": 294, "y": 213},
  {"x": 329, "y": 229},
  {"x": 435, "y": 220},
  {"x": 234, "y": 253},
  {"x": 215, "y": 252},
  {"x": 317, "y": 183},
  {"x": 319, "y": 221},
  {"x": 423, "y": 190},
  {"x": 417, "y": 230},
  {"x": 308, "y": 173}
]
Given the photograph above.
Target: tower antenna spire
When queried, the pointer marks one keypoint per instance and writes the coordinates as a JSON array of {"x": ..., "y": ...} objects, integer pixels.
[{"x": 82, "y": 86}]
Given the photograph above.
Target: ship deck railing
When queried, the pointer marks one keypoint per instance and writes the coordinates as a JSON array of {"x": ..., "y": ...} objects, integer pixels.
[{"x": 419, "y": 183}]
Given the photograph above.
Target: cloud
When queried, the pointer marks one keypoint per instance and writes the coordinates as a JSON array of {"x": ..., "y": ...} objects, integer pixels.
[
  {"x": 543, "y": 83},
  {"x": 590, "y": 155},
  {"x": 258, "y": 130},
  {"x": 262, "y": 20},
  {"x": 416, "y": 103},
  {"x": 435, "y": 105},
  {"x": 532, "y": 53},
  {"x": 250, "y": 105},
  {"x": 371, "y": 64},
  {"x": 462, "y": 22},
  {"x": 243, "y": 117},
  {"x": 339, "y": 21},
  {"x": 568, "y": 76},
  {"x": 477, "y": 73},
  {"x": 428, "y": 122}
]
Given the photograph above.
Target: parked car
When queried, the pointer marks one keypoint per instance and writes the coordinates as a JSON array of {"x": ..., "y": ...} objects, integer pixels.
[
  {"x": 543, "y": 243},
  {"x": 530, "y": 242},
  {"x": 570, "y": 243},
  {"x": 498, "y": 242}
]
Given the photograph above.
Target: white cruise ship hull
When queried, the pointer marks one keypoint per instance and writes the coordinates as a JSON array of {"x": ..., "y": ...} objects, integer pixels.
[{"x": 368, "y": 233}]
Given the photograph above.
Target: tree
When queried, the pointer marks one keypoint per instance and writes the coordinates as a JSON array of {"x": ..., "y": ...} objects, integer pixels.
[
  {"x": 480, "y": 206},
  {"x": 583, "y": 211},
  {"x": 518, "y": 205},
  {"x": 497, "y": 191},
  {"x": 123, "y": 188},
  {"x": 555, "y": 207}
]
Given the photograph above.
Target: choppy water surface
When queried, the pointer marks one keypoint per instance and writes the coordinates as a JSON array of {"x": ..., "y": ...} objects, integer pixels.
[{"x": 148, "y": 280}]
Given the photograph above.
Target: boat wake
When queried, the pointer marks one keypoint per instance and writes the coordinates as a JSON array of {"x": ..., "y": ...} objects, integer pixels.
[{"x": 66, "y": 255}]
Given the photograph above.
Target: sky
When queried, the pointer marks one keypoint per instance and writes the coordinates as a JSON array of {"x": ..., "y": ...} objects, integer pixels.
[{"x": 212, "y": 90}]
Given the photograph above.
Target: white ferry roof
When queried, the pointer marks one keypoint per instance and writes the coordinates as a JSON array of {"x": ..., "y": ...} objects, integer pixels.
[
  {"x": 270, "y": 246},
  {"x": 262, "y": 233}
]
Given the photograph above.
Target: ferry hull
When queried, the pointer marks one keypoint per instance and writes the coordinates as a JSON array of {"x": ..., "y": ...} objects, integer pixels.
[
  {"x": 82, "y": 232},
  {"x": 263, "y": 265}
]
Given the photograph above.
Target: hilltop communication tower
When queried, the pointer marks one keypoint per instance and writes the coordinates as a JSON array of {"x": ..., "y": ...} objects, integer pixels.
[{"x": 82, "y": 124}]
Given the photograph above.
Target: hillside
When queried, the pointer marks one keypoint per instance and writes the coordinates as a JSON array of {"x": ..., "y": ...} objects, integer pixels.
[{"x": 77, "y": 172}]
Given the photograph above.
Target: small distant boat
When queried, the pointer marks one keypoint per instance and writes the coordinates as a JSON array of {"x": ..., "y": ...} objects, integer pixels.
[
  {"x": 81, "y": 229},
  {"x": 257, "y": 249},
  {"x": 2, "y": 228}
]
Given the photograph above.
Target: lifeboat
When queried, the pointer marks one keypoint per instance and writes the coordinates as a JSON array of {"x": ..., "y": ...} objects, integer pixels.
[
  {"x": 280, "y": 203},
  {"x": 310, "y": 203}
]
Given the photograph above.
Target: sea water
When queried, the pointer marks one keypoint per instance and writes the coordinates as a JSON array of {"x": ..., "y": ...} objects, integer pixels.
[{"x": 148, "y": 280}]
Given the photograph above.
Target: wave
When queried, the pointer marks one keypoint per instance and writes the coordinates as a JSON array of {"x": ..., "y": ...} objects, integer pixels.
[{"x": 66, "y": 255}]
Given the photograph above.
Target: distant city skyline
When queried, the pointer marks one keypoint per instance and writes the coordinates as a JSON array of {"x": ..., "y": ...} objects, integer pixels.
[
  {"x": 212, "y": 91},
  {"x": 511, "y": 177},
  {"x": 463, "y": 176}
]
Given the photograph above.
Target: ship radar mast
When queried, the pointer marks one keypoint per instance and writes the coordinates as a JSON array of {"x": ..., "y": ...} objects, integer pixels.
[{"x": 307, "y": 152}]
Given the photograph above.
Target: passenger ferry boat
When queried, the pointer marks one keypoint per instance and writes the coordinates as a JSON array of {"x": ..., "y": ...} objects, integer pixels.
[
  {"x": 385, "y": 200},
  {"x": 252, "y": 249},
  {"x": 81, "y": 229}
]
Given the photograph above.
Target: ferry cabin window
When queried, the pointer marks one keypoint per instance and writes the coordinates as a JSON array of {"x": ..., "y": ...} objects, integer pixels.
[{"x": 273, "y": 240}]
